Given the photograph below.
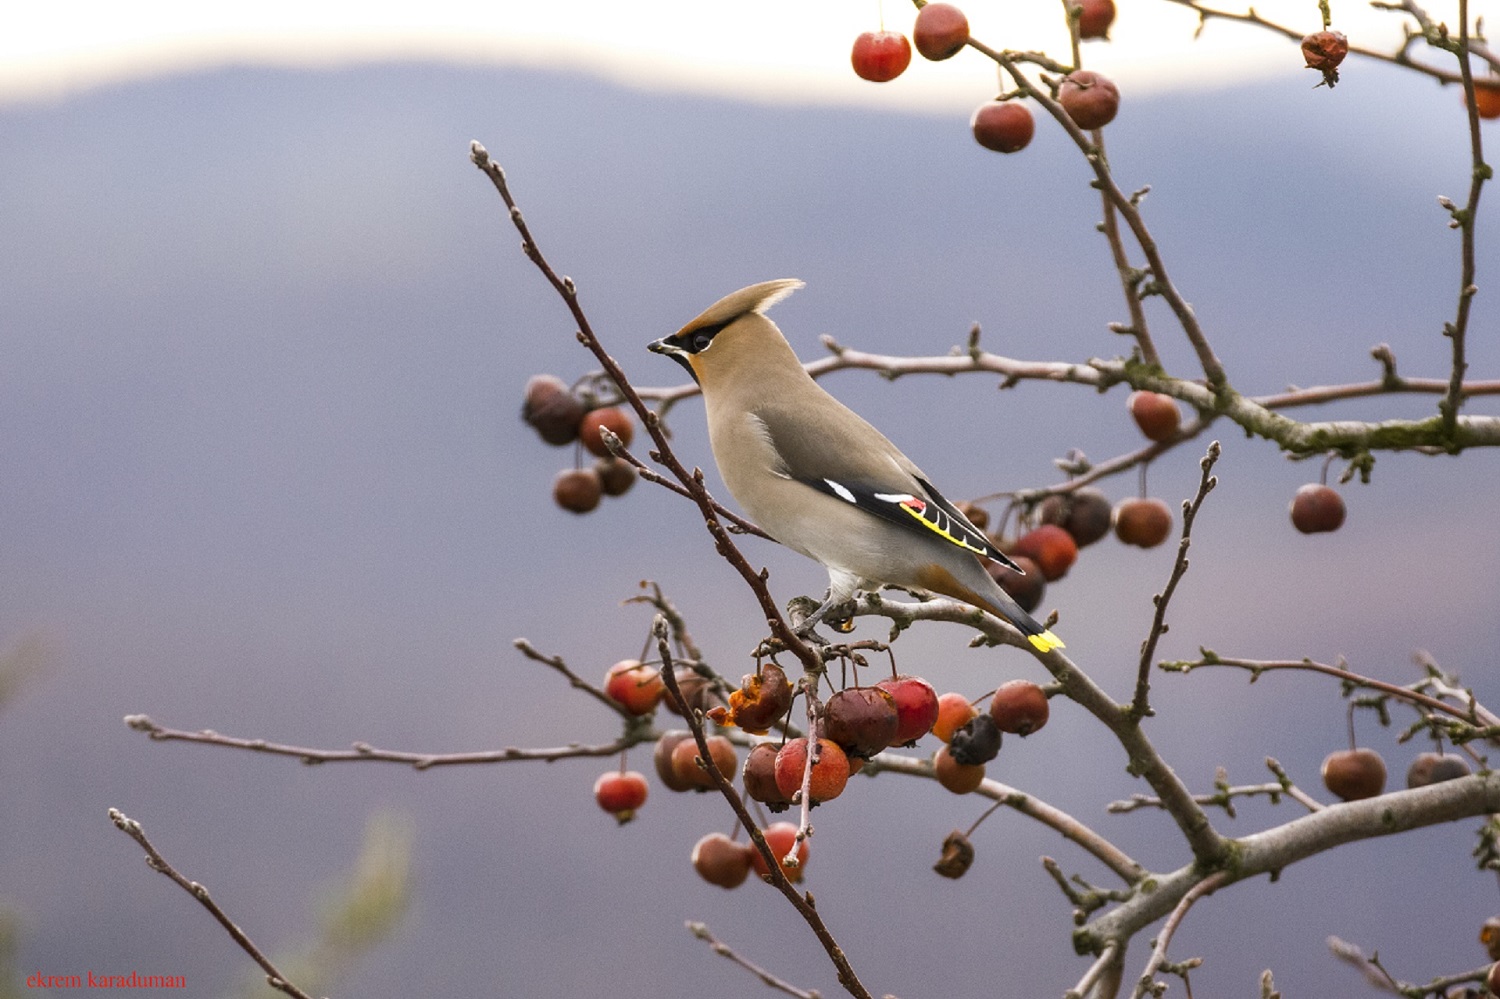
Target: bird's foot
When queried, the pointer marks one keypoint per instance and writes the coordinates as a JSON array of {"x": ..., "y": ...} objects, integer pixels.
[{"x": 807, "y": 615}]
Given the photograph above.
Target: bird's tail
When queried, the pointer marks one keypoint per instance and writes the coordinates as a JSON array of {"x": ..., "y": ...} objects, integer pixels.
[{"x": 983, "y": 592}]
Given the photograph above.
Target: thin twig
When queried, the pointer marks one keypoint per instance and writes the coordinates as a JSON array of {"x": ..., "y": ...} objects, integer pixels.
[
  {"x": 724, "y": 513},
  {"x": 1221, "y": 798},
  {"x": 1140, "y": 706},
  {"x": 158, "y": 863},
  {"x": 579, "y": 683},
  {"x": 362, "y": 752},
  {"x": 1474, "y": 713},
  {"x": 701, "y": 931},
  {"x": 775, "y": 876},
  {"x": 691, "y": 481},
  {"x": 1479, "y": 172},
  {"x": 1159, "y": 953},
  {"x": 1029, "y": 805},
  {"x": 1376, "y": 975}
]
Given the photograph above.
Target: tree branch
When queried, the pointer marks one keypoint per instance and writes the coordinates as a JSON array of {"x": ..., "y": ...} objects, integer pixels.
[
  {"x": 158, "y": 863},
  {"x": 1140, "y": 706},
  {"x": 701, "y": 931},
  {"x": 691, "y": 481},
  {"x": 362, "y": 752},
  {"x": 775, "y": 876},
  {"x": 1029, "y": 805}
]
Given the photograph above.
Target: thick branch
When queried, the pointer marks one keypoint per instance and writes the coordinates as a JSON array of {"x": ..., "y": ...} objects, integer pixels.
[
  {"x": 1144, "y": 761},
  {"x": 1273, "y": 850}
]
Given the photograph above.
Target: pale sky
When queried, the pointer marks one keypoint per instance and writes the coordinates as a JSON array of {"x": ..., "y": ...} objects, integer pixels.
[{"x": 770, "y": 50}]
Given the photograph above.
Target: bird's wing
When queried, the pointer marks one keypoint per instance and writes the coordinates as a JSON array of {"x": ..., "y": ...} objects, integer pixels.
[{"x": 858, "y": 465}]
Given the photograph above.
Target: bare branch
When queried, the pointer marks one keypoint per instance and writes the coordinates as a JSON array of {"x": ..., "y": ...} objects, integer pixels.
[
  {"x": 701, "y": 931},
  {"x": 776, "y": 877},
  {"x": 1159, "y": 953},
  {"x": 1145, "y": 761},
  {"x": 1377, "y": 976},
  {"x": 362, "y": 752},
  {"x": 158, "y": 863},
  {"x": 1140, "y": 706},
  {"x": 1029, "y": 805},
  {"x": 578, "y": 683},
  {"x": 1277, "y": 848},
  {"x": 1464, "y": 219},
  {"x": 1473, "y": 712},
  {"x": 691, "y": 481}
]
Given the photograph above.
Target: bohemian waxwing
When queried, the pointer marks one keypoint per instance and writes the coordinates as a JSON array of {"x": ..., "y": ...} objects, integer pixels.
[{"x": 821, "y": 480}]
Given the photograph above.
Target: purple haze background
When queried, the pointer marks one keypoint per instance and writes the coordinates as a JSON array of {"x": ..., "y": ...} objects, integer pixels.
[{"x": 265, "y": 334}]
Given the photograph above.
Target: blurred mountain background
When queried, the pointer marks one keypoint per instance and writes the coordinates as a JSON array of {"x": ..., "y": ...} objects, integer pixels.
[{"x": 263, "y": 335}]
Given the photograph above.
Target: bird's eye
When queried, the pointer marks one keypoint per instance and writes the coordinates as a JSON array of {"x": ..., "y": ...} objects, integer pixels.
[{"x": 701, "y": 342}]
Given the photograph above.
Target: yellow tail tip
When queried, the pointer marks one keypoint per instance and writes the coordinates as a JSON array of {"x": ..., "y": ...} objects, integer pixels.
[{"x": 1045, "y": 642}]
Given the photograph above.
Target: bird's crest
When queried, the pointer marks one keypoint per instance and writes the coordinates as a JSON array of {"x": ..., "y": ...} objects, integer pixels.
[{"x": 756, "y": 298}]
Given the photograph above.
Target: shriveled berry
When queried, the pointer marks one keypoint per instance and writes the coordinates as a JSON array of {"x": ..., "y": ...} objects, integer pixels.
[
  {"x": 957, "y": 856},
  {"x": 791, "y": 856},
  {"x": 916, "y": 707},
  {"x": 956, "y": 777},
  {"x": 1051, "y": 548},
  {"x": 1489, "y": 935},
  {"x": 1144, "y": 523},
  {"x": 940, "y": 32},
  {"x": 1026, "y": 587},
  {"x": 976, "y": 743},
  {"x": 577, "y": 489},
  {"x": 1003, "y": 126},
  {"x": 552, "y": 410},
  {"x": 954, "y": 711},
  {"x": 863, "y": 720},
  {"x": 1317, "y": 508},
  {"x": 763, "y": 698},
  {"x": 721, "y": 861},
  {"x": 830, "y": 770},
  {"x": 1020, "y": 707},
  {"x": 1353, "y": 774},
  {"x": 1323, "y": 51},
  {"x": 760, "y": 778},
  {"x": 1090, "y": 99},
  {"x": 610, "y": 418},
  {"x": 1084, "y": 513}
]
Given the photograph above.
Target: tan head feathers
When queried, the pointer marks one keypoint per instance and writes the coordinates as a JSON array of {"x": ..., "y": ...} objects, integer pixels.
[{"x": 756, "y": 298}]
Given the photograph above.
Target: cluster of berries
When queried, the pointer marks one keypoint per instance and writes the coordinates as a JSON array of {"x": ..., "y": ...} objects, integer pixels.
[
  {"x": 941, "y": 31},
  {"x": 853, "y": 725}
]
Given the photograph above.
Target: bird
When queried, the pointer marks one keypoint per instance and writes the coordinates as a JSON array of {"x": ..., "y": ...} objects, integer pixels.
[{"x": 821, "y": 480}]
